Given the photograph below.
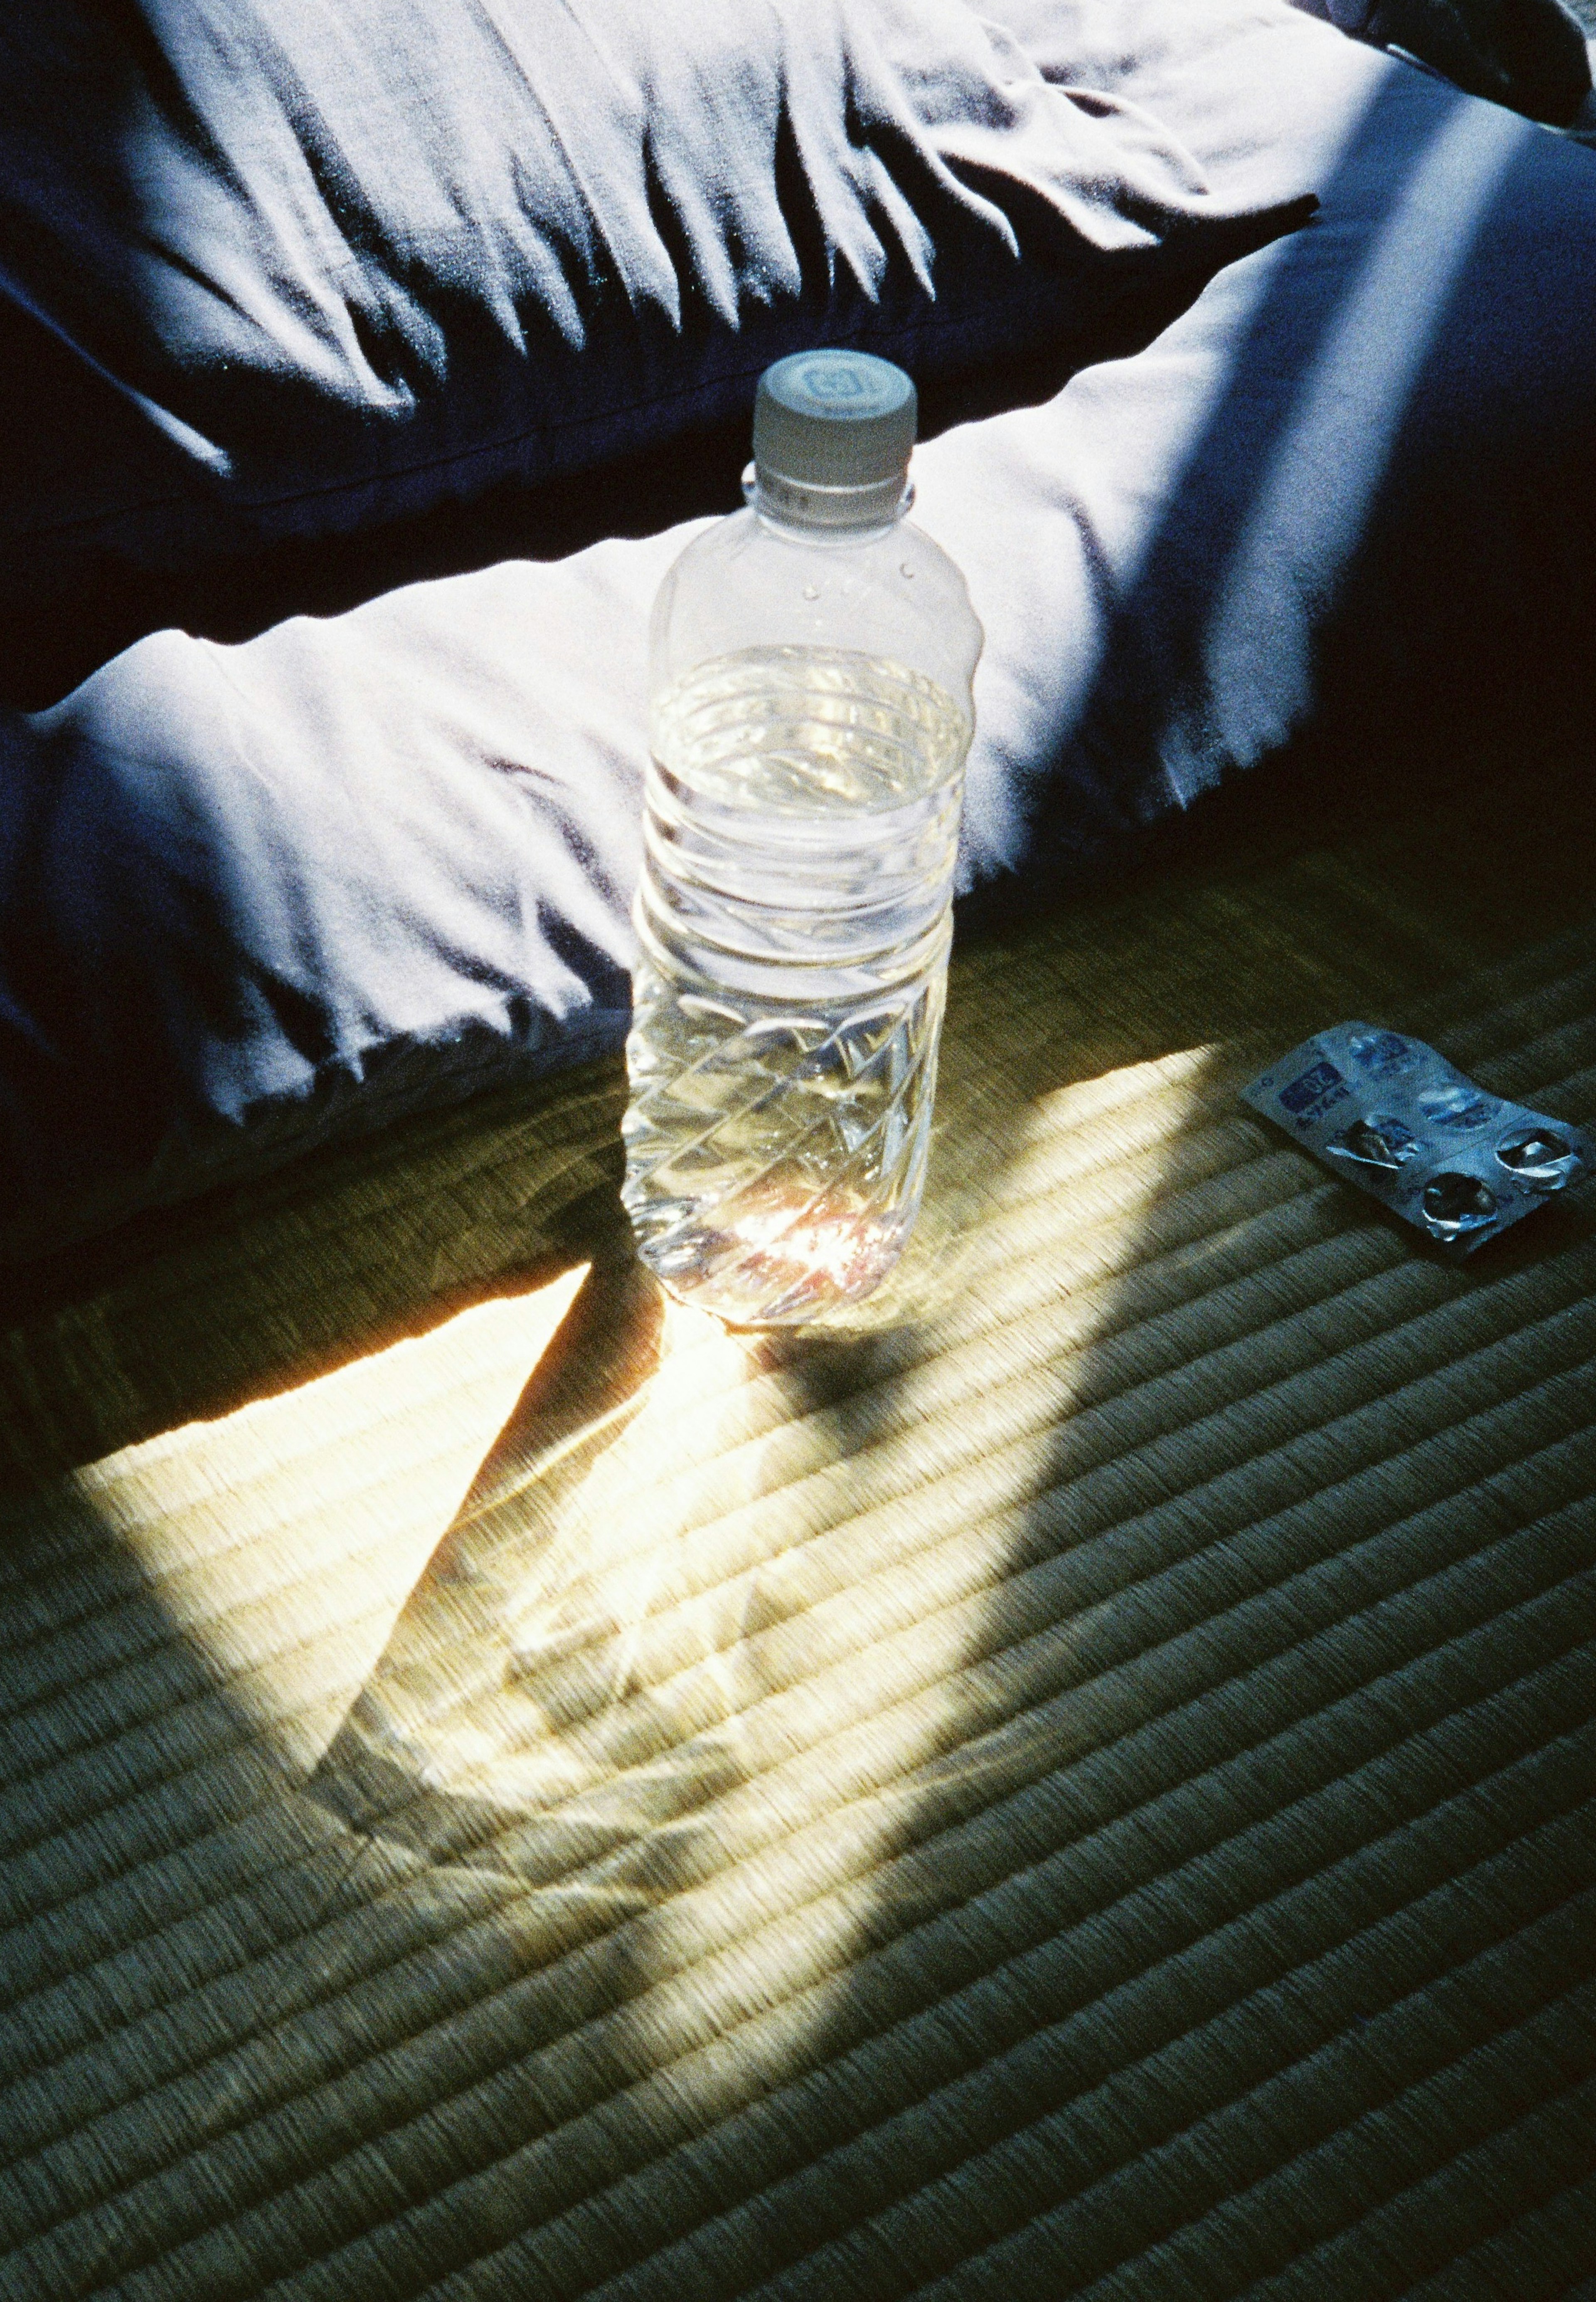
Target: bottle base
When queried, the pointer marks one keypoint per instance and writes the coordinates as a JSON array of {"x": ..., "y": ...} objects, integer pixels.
[{"x": 777, "y": 1263}]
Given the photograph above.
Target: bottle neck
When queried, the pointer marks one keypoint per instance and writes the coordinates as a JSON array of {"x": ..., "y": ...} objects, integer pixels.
[{"x": 801, "y": 507}]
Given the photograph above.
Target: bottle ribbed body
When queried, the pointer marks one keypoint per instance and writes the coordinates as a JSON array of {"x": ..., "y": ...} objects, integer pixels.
[{"x": 793, "y": 921}]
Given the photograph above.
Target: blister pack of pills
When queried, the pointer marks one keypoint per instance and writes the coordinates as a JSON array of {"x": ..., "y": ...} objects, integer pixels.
[{"x": 1405, "y": 1125}]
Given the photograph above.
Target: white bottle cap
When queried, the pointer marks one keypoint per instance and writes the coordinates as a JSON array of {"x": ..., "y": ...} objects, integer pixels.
[{"x": 832, "y": 435}]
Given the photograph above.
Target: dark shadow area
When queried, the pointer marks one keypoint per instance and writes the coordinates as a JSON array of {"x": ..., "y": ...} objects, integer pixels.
[{"x": 1529, "y": 54}]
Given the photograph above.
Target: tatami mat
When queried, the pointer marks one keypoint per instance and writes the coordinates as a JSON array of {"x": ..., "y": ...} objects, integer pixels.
[{"x": 1079, "y": 1782}]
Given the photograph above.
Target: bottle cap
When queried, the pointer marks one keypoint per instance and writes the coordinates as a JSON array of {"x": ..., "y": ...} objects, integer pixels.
[{"x": 834, "y": 419}]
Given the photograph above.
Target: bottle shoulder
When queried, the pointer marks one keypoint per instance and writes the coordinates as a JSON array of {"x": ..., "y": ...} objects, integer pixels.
[
  {"x": 746, "y": 582},
  {"x": 747, "y": 540}
]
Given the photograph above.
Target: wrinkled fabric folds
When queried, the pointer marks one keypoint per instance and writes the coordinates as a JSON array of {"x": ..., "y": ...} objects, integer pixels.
[{"x": 276, "y": 268}]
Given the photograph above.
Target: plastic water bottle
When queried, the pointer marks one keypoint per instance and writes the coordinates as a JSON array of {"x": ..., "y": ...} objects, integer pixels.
[{"x": 811, "y": 660}]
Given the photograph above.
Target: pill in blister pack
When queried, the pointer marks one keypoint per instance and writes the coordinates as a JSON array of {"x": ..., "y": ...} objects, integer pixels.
[{"x": 1403, "y": 1124}]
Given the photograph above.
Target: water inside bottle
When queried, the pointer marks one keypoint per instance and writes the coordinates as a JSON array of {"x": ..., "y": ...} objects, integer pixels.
[{"x": 802, "y": 821}]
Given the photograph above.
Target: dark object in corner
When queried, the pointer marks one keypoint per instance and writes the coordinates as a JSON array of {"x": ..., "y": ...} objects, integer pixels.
[{"x": 1529, "y": 54}]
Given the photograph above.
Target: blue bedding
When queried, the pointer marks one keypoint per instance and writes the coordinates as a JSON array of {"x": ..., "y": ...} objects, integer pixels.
[
  {"x": 254, "y": 896},
  {"x": 285, "y": 268}
]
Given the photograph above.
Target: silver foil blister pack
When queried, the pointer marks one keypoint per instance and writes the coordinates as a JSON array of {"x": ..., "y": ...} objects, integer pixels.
[{"x": 1405, "y": 1125}]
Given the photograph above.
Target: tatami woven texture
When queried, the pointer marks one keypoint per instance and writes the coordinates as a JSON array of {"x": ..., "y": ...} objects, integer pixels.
[{"x": 1078, "y": 1785}]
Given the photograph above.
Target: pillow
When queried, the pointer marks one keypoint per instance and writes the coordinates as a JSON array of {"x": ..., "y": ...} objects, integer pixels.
[
  {"x": 254, "y": 896},
  {"x": 278, "y": 268}
]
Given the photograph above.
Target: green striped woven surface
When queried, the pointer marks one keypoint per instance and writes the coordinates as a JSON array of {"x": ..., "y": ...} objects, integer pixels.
[{"x": 1076, "y": 1783}]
